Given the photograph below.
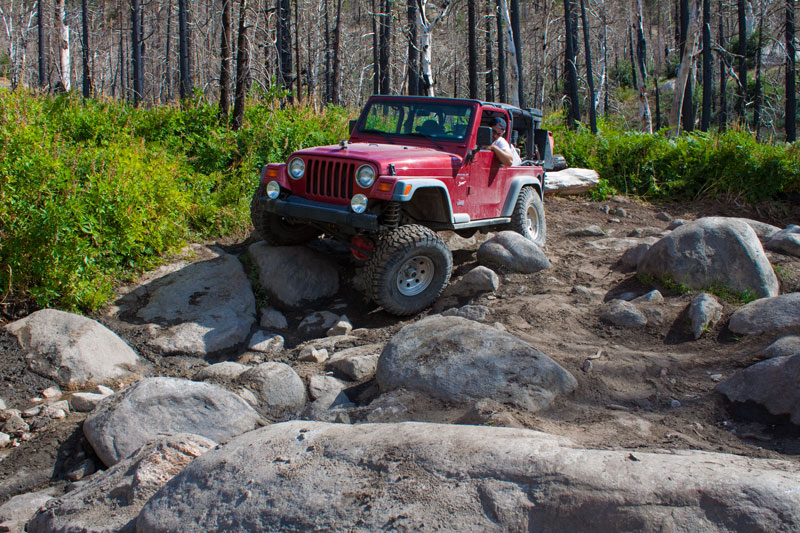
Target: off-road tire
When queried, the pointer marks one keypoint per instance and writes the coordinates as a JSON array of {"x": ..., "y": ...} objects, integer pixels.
[
  {"x": 399, "y": 272},
  {"x": 275, "y": 229},
  {"x": 528, "y": 219}
]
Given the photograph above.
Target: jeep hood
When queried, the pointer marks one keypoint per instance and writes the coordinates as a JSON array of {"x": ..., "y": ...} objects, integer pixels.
[{"x": 407, "y": 159}]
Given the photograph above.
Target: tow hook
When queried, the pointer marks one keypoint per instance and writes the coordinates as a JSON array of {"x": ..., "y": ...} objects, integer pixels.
[{"x": 361, "y": 247}]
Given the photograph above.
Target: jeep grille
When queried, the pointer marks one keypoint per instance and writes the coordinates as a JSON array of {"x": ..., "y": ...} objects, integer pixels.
[{"x": 329, "y": 179}]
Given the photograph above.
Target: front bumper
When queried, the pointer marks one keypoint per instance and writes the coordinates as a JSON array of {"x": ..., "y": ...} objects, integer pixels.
[{"x": 302, "y": 209}]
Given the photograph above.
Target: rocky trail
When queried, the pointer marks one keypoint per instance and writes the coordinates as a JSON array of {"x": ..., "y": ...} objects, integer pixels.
[{"x": 633, "y": 395}]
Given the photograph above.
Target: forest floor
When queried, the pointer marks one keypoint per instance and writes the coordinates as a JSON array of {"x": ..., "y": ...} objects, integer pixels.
[{"x": 641, "y": 389}]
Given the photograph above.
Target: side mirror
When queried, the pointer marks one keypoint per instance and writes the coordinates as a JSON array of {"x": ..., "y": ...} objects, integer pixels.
[
  {"x": 352, "y": 126},
  {"x": 484, "y": 137}
]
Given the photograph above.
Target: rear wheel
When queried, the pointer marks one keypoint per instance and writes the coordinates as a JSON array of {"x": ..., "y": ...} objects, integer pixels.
[
  {"x": 409, "y": 269},
  {"x": 275, "y": 229},
  {"x": 528, "y": 216}
]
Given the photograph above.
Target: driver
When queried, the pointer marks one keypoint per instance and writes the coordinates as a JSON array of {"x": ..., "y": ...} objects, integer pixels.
[{"x": 506, "y": 154}]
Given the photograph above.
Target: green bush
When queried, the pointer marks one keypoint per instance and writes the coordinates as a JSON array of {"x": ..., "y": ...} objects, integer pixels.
[
  {"x": 685, "y": 167},
  {"x": 92, "y": 192}
]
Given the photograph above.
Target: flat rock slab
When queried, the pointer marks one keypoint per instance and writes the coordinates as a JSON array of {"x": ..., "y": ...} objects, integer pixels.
[
  {"x": 294, "y": 275},
  {"x": 771, "y": 384},
  {"x": 462, "y": 361},
  {"x": 111, "y": 501},
  {"x": 571, "y": 181},
  {"x": 201, "y": 308},
  {"x": 155, "y": 407},
  {"x": 512, "y": 251},
  {"x": 712, "y": 252},
  {"x": 768, "y": 314},
  {"x": 311, "y": 476},
  {"x": 73, "y": 350}
]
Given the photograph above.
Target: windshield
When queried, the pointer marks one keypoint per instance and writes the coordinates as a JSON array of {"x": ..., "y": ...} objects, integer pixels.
[{"x": 418, "y": 119}]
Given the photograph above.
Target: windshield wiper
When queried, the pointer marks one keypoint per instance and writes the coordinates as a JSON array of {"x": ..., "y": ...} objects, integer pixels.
[{"x": 384, "y": 134}]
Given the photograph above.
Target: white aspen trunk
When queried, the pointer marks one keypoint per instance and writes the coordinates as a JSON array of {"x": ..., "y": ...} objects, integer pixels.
[
  {"x": 425, "y": 41},
  {"x": 511, "y": 50},
  {"x": 684, "y": 70},
  {"x": 63, "y": 50}
]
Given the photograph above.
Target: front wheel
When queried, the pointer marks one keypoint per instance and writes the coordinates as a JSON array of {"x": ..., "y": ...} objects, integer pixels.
[
  {"x": 409, "y": 269},
  {"x": 528, "y": 216},
  {"x": 275, "y": 229}
]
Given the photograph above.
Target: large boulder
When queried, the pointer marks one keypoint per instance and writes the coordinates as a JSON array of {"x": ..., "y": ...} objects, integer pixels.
[
  {"x": 771, "y": 384},
  {"x": 280, "y": 392},
  {"x": 155, "y": 407},
  {"x": 459, "y": 360},
  {"x": 571, "y": 181},
  {"x": 293, "y": 275},
  {"x": 111, "y": 501},
  {"x": 202, "y": 308},
  {"x": 311, "y": 476},
  {"x": 73, "y": 350},
  {"x": 512, "y": 251},
  {"x": 767, "y": 315},
  {"x": 786, "y": 241},
  {"x": 712, "y": 252}
]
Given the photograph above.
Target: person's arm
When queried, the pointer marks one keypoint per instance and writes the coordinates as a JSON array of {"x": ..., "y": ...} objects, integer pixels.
[{"x": 503, "y": 156}]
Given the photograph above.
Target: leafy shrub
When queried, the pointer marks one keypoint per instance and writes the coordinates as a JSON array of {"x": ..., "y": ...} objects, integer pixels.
[
  {"x": 92, "y": 191},
  {"x": 688, "y": 166}
]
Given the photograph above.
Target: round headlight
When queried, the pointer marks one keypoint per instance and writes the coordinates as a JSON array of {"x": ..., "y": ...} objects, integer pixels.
[
  {"x": 273, "y": 189},
  {"x": 365, "y": 176},
  {"x": 359, "y": 203},
  {"x": 296, "y": 168}
]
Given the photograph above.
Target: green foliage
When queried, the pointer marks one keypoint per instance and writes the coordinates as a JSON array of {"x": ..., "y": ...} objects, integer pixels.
[
  {"x": 93, "y": 191},
  {"x": 723, "y": 292},
  {"x": 686, "y": 167}
]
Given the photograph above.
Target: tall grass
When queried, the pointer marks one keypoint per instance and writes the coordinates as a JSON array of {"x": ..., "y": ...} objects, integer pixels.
[{"x": 91, "y": 192}]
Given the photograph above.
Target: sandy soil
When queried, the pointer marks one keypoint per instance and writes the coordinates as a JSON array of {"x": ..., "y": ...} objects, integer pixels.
[{"x": 649, "y": 388}]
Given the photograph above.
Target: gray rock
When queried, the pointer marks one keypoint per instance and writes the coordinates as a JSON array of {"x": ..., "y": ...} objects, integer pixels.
[
  {"x": 73, "y": 350},
  {"x": 5, "y": 439},
  {"x": 477, "y": 281},
  {"x": 633, "y": 255},
  {"x": 266, "y": 342},
  {"x": 319, "y": 386},
  {"x": 224, "y": 371},
  {"x": 653, "y": 296},
  {"x": 273, "y": 319},
  {"x": 111, "y": 501},
  {"x": 786, "y": 241},
  {"x": 712, "y": 252},
  {"x": 330, "y": 407},
  {"x": 358, "y": 364},
  {"x": 312, "y": 476},
  {"x": 763, "y": 230},
  {"x": 192, "y": 311},
  {"x": 614, "y": 244},
  {"x": 313, "y": 355},
  {"x": 676, "y": 223},
  {"x": 623, "y": 314},
  {"x": 461, "y": 361},
  {"x": 583, "y": 293},
  {"x": 771, "y": 384},
  {"x": 768, "y": 314},
  {"x": 160, "y": 406},
  {"x": 84, "y": 402},
  {"x": 341, "y": 327},
  {"x": 704, "y": 312},
  {"x": 280, "y": 391},
  {"x": 293, "y": 275},
  {"x": 588, "y": 231},
  {"x": 788, "y": 345},
  {"x": 16, "y": 512},
  {"x": 472, "y": 312},
  {"x": 317, "y": 323},
  {"x": 15, "y": 426},
  {"x": 664, "y": 216},
  {"x": 512, "y": 251},
  {"x": 571, "y": 181}
]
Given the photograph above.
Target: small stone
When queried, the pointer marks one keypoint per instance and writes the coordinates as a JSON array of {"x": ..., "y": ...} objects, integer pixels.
[
  {"x": 51, "y": 393},
  {"x": 33, "y": 411},
  {"x": 674, "y": 404},
  {"x": 715, "y": 377},
  {"x": 266, "y": 342},
  {"x": 588, "y": 231},
  {"x": 84, "y": 402},
  {"x": 320, "y": 385},
  {"x": 664, "y": 216},
  {"x": 313, "y": 355},
  {"x": 58, "y": 414},
  {"x": 342, "y": 327},
  {"x": 3, "y": 405},
  {"x": 587, "y": 366},
  {"x": 25, "y": 437},
  {"x": 605, "y": 209},
  {"x": 614, "y": 220},
  {"x": 85, "y": 468},
  {"x": 676, "y": 223},
  {"x": 620, "y": 200},
  {"x": 5, "y": 439},
  {"x": 102, "y": 389},
  {"x": 273, "y": 319},
  {"x": 651, "y": 297},
  {"x": 15, "y": 425}
]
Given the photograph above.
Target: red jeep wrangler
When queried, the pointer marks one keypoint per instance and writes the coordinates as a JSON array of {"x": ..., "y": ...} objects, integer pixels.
[{"x": 412, "y": 166}]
